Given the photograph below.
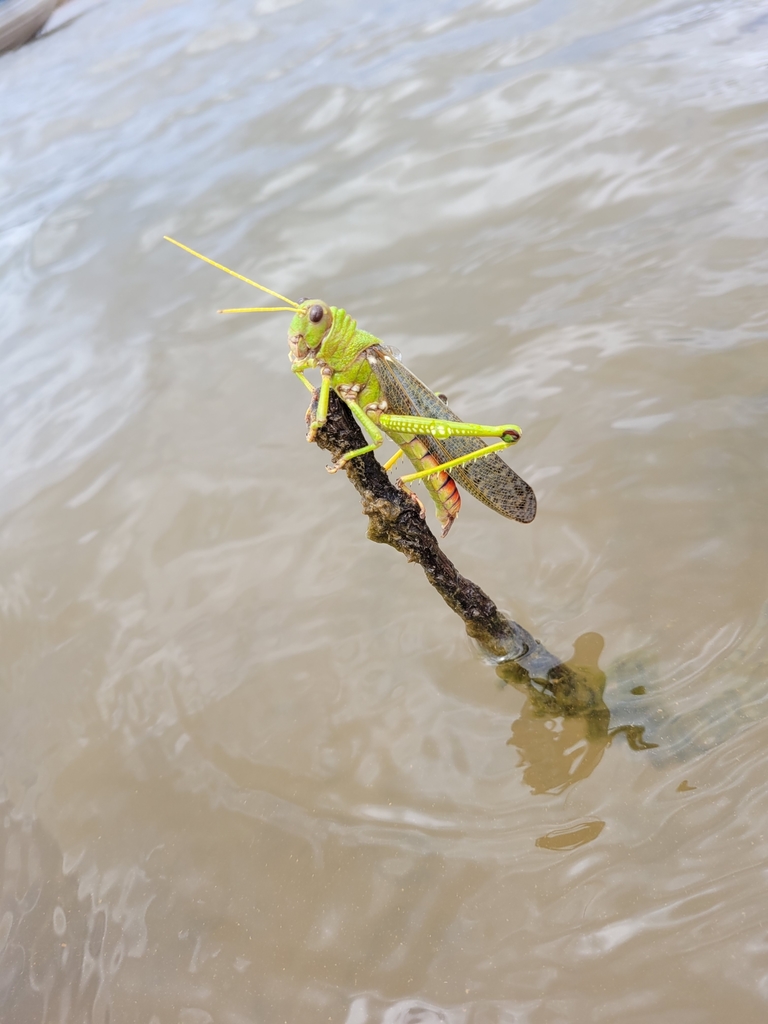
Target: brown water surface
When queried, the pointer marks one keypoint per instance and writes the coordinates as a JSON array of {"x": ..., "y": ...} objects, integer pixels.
[{"x": 251, "y": 769}]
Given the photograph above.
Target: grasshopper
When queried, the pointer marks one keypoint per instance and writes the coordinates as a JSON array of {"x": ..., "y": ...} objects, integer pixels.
[{"x": 386, "y": 398}]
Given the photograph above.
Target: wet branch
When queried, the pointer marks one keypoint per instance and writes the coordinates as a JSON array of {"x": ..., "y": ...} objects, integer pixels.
[{"x": 394, "y": 519}]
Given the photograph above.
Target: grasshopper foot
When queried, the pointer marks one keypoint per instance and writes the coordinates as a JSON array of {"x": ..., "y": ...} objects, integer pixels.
[
  {"x": 336, "y": 466},
  {"x": 413, "y": 497},
  {"x": 310, "y": 418}
]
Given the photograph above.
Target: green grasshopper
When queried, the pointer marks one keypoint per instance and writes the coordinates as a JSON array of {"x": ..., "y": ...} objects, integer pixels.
[{"x": 385, "y": 396}]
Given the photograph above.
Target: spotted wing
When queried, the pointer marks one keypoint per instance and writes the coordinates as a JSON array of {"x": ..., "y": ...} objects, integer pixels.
[{"x": 488, "y": 479}]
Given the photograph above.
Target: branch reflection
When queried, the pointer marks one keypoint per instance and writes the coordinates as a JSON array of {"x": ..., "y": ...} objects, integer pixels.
[{"x": 564, "y": 727}]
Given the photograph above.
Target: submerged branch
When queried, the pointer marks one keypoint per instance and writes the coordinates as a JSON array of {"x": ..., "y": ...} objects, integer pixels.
[{"x": 394, "y": 519}]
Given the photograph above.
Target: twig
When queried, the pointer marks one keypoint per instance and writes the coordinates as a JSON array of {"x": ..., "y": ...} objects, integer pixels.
[{"x": 395, "y": 519}]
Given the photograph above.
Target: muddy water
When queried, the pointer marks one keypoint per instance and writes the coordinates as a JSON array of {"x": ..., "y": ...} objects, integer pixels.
[{"x": 251, "y": 769}]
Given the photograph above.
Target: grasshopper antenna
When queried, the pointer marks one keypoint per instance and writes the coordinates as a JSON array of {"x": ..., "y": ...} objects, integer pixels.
[
  {"x": 259, "y": 309},
  {"x": 253, "y": 309}
]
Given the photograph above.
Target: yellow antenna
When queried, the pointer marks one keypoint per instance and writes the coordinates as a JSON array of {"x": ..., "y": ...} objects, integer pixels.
[{"x": 256, "y": 309}]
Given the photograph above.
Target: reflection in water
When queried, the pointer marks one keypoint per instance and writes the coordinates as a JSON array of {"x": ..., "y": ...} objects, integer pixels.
[
  {"x": 571, "y": 836},
  {"x": 562, "y": 732},
  {"x": 684, "y": 733}
]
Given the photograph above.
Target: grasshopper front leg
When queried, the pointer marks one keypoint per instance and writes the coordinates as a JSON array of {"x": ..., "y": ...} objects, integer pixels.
[
  {"x": 348, "y": 395},
  {"x": 321, "y": 410},
  {"x": 298, "y": 366}
]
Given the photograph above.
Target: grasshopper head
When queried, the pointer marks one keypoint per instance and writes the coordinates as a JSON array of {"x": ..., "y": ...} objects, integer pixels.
[{"x": 309, "y": 326}]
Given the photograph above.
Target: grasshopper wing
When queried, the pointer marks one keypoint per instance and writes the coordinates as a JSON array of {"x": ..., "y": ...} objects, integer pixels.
[{"x": 489, "y": 478}]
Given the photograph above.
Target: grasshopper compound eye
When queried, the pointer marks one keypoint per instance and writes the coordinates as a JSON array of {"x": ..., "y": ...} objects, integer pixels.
[{"x": 316, "y": 314}]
